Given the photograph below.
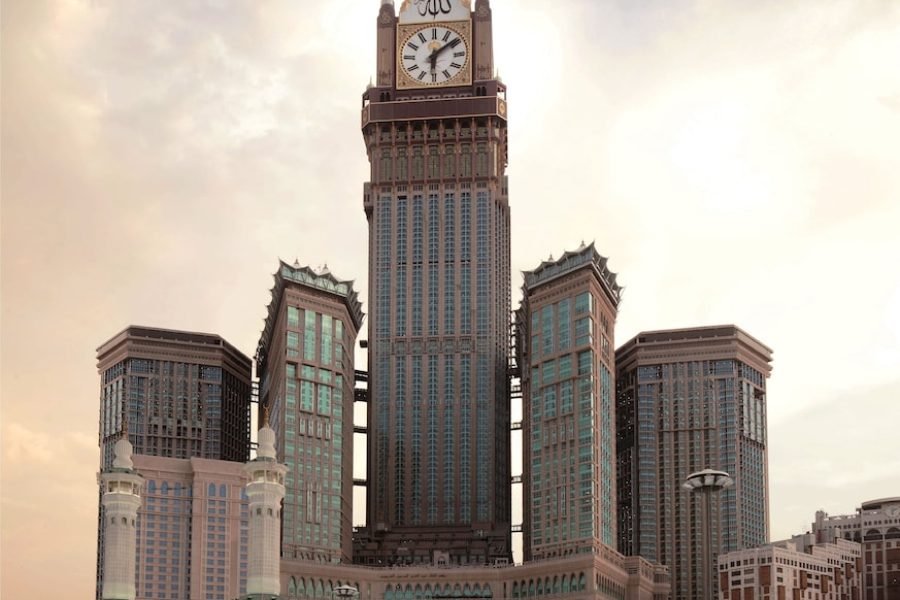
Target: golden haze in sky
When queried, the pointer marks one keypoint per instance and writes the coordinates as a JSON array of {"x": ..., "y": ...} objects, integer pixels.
[{"x": 738, "y": 161}]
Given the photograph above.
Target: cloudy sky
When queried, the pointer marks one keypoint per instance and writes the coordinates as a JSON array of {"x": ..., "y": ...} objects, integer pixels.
[{"x": 738, "y": 161}]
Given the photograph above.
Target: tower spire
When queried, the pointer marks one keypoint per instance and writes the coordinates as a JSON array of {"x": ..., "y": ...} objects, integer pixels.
[
  {"x": 121, "y": 488},
  {"x": 265, "y": 491}
]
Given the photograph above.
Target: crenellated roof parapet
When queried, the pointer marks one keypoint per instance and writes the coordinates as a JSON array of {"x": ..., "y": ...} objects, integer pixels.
[
  {"x": 571, "y": 261},
  {"x": 322, "y": 280}
]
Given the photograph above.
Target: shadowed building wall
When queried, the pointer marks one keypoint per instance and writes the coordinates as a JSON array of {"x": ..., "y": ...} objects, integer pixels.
[{"x": 687, "y": 400}]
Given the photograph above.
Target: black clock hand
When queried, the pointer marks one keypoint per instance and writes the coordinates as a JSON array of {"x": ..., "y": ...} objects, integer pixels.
[
  {"x": 452, "y": 44},
  {"x": 434, "y": 55}
]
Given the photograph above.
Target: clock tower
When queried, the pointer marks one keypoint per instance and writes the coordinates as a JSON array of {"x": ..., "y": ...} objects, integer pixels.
[{"x": 435, "y": 130}]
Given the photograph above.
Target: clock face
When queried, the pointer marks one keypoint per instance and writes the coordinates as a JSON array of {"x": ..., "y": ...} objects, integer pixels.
[{"x": 433, "y": 55}]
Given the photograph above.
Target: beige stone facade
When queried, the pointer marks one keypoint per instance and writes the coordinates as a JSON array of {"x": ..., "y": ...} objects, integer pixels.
[
  {"x": 795, "y": 569},
  {"x": 192, "y": 532},
  {"x": 875, "y": 525},
  {"x": 602, "y": 576}
]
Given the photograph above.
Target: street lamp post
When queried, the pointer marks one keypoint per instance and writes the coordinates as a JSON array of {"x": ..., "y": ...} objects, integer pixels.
[{"x": 708, "y": 482}]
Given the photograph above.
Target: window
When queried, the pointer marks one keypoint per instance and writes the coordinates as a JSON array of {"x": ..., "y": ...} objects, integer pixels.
[
  {"x": 565, "y": 367},
  {"x": 449, "y": 161},
  {"x": 564, "y": 325},
  {"x": 326, "y": 352},
  {"x": 434, "y": 168},
  {"x": 402, "y": 165},
  {"x": 309, "y": 336},
  {"x": 293, "y": 340},
  {"x": 306, "y": 396},
  {"x": 385, "y": 165},
  {"x": 583, "y": 303},
  {"x": 583, "y": 331},
  {"x": 481, "y": 168},
  {"x": 418, "y": 164},
  {"x": 465, "y": 161},
  {"x": 293, "y": 316}
]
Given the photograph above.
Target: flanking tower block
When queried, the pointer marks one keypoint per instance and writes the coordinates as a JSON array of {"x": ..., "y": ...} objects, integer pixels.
[
  {"x": 121, "y": 488},
  {"x": 265, "y": 491}
]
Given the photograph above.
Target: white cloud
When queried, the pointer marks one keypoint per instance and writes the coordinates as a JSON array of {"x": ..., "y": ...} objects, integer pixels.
[
  {"x": 737, "y": 161},
  {"x": 22, "y": 445}
]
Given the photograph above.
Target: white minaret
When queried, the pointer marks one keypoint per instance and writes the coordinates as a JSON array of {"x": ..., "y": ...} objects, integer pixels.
[
  {"x": 121, "y": 487},
  {"x": 265, "y": 491}
]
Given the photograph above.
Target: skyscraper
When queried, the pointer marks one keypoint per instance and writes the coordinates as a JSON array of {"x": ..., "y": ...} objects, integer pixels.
[
  {"x": 564, "y": 345},
  {"x": 687, "y": 400},
  {"x": 304, "y": 362},
  {"x": 183, "y": 394},
  {"x": 178, "y": 394},
  {"x": 435, "y": 130}
]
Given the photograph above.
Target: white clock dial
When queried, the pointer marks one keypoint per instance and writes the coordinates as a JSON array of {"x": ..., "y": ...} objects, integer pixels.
[{"x": 434, "y": 55}]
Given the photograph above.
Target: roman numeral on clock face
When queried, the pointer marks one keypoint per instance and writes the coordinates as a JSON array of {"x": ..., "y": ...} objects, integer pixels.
[
  {"x": 434, "y": 34},
  {"x": 446, "y": 74},
  {"x": 456, "y": 65},
  {"x": 422, "y": 75},
  {"x": 413, "y": 46},
  {"x": 455, "y": 42},
  {"x": 458, "y": 54},
  {"x": 447, "y": 35},
  {"x": 414, "y": 68},
  {"x": 409, "y": 57},
  {"x": 422, "y": 38}
]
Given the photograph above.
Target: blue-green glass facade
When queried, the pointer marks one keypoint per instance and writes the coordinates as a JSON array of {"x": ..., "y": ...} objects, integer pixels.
[
  {"x": 565, "y": 325},
  {"x": 305, "y": 367},
  {"x": 688, "y": 400},
  {"x": 438, "y": 357}
]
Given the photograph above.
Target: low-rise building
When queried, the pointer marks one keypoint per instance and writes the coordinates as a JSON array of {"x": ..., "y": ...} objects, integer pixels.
[
  {"x": 795, "y": 569},
  {"x": 606, "y": 575},
  {"x": 875, "y": 525}
]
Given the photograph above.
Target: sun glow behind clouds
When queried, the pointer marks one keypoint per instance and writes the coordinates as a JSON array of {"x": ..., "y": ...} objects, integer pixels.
[
  {"x": 529, "y": 47},
  {"x": 736, "y": 160}
]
